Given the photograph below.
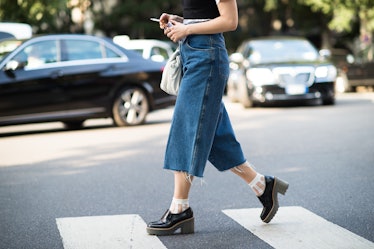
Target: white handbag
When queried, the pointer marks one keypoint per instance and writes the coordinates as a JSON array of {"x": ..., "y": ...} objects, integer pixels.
[{"x": 172, "y": 74}]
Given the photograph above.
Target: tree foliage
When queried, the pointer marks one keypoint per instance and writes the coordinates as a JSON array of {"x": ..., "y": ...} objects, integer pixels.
[
  {"x": 43, "y": 15},
  {"x": 344, "y": 12},
  {"x": 132, "y": 17}
]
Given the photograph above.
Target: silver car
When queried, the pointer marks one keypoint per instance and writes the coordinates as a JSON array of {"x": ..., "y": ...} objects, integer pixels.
[{"x": 273, "y": 70}]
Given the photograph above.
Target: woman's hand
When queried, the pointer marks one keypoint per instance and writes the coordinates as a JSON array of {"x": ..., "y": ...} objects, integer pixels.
[
  {"x": 176, "y": 31},
  {"x": 164, "y": 19}
]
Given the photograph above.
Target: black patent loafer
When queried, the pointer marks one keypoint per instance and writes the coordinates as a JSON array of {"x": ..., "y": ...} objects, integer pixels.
[
  {"x": 170, "y": 223},
  {"x": 269, "y": 198}
]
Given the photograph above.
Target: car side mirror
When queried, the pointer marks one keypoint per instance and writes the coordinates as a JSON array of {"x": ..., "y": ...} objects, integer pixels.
[{"x": 12, "y": 65}]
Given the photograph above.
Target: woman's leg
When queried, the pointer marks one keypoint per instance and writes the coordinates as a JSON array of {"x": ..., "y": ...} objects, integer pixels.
[
  {"x": 180, "y": 215},
  {"x": 266, "y": 189},
  {"x": 255, "y": 180},
  {"x": 182, "y": 186},
  {"x": 245, "y": 171}
]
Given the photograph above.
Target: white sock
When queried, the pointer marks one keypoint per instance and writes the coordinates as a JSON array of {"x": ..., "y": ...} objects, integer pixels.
[
  {"x": 258, "y": 184},
  {"x": 179, "y": 205}
]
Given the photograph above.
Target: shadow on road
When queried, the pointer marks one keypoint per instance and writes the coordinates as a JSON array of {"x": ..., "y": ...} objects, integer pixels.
[{"x": 30, "y": 129}]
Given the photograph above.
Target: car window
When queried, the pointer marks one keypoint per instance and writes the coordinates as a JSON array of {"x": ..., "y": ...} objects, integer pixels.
[
  {"x": 80, "y": 50},
  {"x": 111, "y": 54},
  {"x": 159, "y": 51},
  {"x": 37, "y": 54}
]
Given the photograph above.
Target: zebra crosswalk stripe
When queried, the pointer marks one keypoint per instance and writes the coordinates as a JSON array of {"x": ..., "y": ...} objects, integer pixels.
[
  {"x": 296, "y": 227},
  {"x": 292, "y": 228},
  {"x": 114, "y": 232}
]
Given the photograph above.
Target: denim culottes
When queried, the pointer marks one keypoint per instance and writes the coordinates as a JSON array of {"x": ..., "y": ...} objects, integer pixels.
[{"x": 201, "y": 129}]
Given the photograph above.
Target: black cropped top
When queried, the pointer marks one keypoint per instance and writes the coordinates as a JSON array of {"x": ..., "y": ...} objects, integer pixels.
[{"x": 200, "y": 9}]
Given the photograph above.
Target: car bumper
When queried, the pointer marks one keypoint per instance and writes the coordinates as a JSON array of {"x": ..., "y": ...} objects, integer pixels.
[{"x": 267, "y": 94}]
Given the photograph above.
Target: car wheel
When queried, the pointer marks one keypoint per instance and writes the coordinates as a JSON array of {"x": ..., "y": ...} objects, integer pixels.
[
  {"x": 73, "y": 125},
  {"x": 328, "y": 101},
  {"x": 353, "y": 89},
  {"x": 130, "y": 107},
  {"x": 247, "y": 102},
  {"x": 245, "y": 99},
  {"x": 231, "y": 94},
  {"x": 231, "y": 91}
]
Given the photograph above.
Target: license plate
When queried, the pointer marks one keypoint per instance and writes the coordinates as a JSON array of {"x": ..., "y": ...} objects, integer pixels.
[{"x": 295, "y": 89}]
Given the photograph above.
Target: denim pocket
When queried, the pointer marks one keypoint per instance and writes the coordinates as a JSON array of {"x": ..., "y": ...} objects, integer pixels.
[
  {"x": 199, "y": 42},
  {"x": 198, "y": 54},
  {"x": 207, "y": 54}
]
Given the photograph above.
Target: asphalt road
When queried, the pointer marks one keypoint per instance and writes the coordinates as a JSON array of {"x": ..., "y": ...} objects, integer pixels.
[{"x": 326, "y": 153}]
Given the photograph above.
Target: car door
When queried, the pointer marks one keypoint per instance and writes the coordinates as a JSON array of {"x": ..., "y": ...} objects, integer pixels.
[
  {"x": 368, "y": 67},
  {"x": 85, "y": 63},
  {"x": 360, "y": 70},
  {"x": 30, "y": 91}
]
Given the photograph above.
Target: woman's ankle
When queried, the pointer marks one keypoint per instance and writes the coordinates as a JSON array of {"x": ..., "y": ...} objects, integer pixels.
[{"x": 179, "y": 205}]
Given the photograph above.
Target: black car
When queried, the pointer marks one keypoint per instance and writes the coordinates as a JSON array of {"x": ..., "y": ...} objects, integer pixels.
[
  {"x": 272, "y": 70},
  {"x": 356, "y": 69},
  {"x": 360, "y": 73},
  {"x": 71, "y": 78}
]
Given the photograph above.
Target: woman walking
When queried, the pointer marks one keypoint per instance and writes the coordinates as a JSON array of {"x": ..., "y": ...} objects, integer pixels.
[{"x": 200, "y": 128}]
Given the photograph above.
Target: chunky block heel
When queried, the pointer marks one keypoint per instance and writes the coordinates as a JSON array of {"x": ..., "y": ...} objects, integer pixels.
[
  {"x": 281, "y": 186},
  {"x": 170, "y": 223},
  {"x": 269, "y": 198},
  {"x": 188, "y": 227}
]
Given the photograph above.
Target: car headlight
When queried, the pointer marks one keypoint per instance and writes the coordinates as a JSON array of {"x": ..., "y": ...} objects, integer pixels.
[
  {"x": 325, "y": 73},
  {"x": 260, "y": 76}
]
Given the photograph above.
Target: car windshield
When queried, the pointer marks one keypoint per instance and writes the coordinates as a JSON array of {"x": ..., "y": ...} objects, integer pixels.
[{"x": 275, "y": 51}]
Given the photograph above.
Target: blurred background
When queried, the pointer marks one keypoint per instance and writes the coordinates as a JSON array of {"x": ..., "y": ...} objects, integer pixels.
[{"x": 327, "y": 24}]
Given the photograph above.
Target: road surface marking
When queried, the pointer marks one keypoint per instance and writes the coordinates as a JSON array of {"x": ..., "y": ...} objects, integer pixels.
[
  {"x": 296, "y": 227},
  {"x": 114, "y": 232}
]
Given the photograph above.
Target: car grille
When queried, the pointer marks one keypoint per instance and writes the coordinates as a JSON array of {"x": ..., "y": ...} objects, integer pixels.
[{"x": 294, "y": 75}]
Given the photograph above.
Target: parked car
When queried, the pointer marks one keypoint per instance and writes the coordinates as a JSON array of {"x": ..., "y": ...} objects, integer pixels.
[
  {"x": 272, "y": 70},
  {"x": 156, "y": 50},
  {"x": 72, "y": 78},
  {"x": 356, "y": 68},
  {"x": 360, "y": 73}
]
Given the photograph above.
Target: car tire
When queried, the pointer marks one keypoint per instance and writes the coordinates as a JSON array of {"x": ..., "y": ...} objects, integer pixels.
[
  {"x": 73, "y": 125},
  {"x": 130, "y": 107},
  {"x": 353, "y": 89},
  {"x": 231, "y": 93},
  {"x": 245, "y": 99},
  {"x": 328, "y": 101}
]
